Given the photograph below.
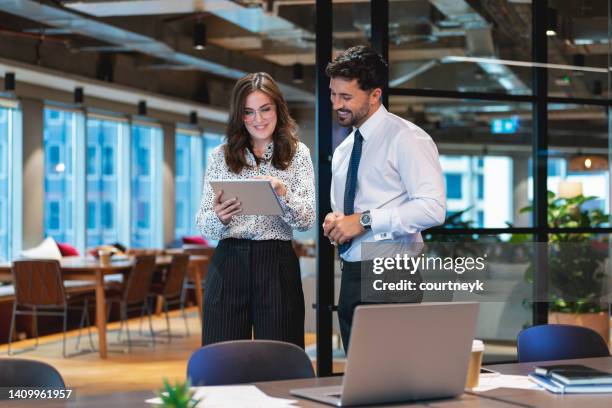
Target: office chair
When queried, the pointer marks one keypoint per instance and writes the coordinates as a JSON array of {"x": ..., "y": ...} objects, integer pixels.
[
  {"x": 171, "y": 289},
  {"x": 246, "y": 361},
  {"x": 133, "y": 294},
  {"x": 18, "y": 372},
  {"x": 40, "y": 291},
  {"x": 559, "y": 342}
]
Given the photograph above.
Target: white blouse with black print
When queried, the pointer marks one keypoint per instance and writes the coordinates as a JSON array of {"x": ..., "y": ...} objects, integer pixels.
[{"x": 298, "y": 203}]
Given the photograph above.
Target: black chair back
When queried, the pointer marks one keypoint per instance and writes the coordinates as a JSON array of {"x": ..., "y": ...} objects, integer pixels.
[
  {"x": 246, "y": 361},
  {"x": 38, "y": 282},
  {"x": 17, "y": 372}
]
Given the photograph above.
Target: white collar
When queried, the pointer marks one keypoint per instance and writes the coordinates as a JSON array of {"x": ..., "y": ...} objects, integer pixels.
[{"x": 370, "y": 125}]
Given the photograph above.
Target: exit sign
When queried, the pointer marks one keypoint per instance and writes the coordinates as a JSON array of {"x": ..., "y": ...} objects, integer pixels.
[{"x": 505, "y": 125}]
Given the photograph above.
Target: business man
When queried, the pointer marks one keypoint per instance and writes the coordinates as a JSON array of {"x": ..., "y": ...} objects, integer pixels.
[{"x": 387, "y": 183}]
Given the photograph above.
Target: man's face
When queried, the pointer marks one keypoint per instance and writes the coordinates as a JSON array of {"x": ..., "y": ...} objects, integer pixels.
[{"x": 352, "y": 104}]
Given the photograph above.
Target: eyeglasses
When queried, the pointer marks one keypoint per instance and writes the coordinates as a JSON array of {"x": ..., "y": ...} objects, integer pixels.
[{"x": 266, "y": 113}]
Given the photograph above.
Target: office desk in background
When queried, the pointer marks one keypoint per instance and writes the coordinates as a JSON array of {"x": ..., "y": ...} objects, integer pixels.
[{"x": 498, "y": 398}]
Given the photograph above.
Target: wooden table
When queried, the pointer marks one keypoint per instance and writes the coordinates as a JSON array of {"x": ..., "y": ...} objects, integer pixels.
[
  {"x": 499, "y": 398},
  {"x": 87, "y": 269}
]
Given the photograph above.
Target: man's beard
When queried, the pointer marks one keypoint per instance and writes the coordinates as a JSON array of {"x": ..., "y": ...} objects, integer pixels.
[{"x": 353, "y": 118}]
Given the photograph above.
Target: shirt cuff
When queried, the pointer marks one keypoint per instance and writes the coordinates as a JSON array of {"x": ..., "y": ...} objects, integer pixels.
[
  {"x": 219, "y": 226},
  {"x": 285, "y": 200},
  {"x": 381, "y": 223}
]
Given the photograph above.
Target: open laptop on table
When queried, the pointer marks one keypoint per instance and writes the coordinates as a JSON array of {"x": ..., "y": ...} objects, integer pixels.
[{"x": 404, "y": 352}]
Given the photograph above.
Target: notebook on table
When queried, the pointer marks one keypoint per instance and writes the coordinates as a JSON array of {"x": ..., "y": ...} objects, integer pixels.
[
  {"x": 575, "y": 374},
  {"x": 572, "y": 378}
]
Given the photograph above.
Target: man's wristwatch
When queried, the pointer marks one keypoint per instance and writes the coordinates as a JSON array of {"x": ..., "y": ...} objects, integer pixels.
[{"x": 365, "y": 219}]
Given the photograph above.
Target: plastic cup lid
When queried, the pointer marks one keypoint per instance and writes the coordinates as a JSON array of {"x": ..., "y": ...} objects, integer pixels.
[{"x": 477, "y": 345}]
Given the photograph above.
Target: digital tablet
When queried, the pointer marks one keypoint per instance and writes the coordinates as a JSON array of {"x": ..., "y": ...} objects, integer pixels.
[{"x": 257, "y": 196}]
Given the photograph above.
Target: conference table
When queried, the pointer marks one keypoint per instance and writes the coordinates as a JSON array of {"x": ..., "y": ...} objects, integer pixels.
[
  {"x": 497, "y": 398},
  {"x": 92, "y": 269}
]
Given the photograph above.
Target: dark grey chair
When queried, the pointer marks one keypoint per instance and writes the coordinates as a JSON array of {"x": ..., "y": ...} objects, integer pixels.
[
  {"x": 246, "y": 361},
  {"x": 18, "y": 372}
]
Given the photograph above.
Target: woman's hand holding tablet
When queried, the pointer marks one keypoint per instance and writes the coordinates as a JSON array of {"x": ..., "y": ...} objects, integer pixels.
[{"x": 226, "y": 209}]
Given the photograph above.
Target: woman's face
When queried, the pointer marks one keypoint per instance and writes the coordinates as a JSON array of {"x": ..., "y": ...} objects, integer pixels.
[{"x": 259, "y": 116}]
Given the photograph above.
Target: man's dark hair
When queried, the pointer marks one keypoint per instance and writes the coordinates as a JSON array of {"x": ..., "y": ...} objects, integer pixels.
[{"x": 361, "y": 63}]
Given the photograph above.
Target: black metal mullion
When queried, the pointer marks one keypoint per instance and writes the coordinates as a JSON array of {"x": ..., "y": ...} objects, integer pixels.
[
  {"x": 540, "y": 159},
  {"x": 579, "y": 101},
  {"x": 379, "y": 23},
  {"x": 325, "y": 252}
]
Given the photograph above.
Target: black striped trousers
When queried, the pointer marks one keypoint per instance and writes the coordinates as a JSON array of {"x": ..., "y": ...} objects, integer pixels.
[{"x": 253, "y": 289}]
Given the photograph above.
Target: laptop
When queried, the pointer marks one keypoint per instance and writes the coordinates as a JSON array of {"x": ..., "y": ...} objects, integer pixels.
[{"x": 404, "y": 352}]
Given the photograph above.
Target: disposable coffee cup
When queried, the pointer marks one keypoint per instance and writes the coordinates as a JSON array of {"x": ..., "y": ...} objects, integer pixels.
[
  {"x": 474, "y": 365},
  {"x": 104, "y": 257}
]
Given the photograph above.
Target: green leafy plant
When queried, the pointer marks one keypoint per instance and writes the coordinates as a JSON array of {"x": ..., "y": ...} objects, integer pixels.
[
  {"x": 178, "y": 396},
  {"x": 576, "y": 274}
]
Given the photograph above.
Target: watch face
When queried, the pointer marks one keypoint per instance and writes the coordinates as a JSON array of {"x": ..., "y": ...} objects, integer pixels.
[{"x": 365, "y": 219}]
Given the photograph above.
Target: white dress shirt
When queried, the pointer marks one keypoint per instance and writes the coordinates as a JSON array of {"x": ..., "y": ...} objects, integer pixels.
[{"x": 399, "y": 180}]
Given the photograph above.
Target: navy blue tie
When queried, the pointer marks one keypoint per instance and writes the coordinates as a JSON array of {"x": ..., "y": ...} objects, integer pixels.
[{"x": 351, "y": 183}]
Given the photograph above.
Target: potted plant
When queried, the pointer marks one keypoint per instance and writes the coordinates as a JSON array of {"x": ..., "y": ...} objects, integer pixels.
[
  {"x": 178, "y": 396},
  {"x": 578, "y": 267}
]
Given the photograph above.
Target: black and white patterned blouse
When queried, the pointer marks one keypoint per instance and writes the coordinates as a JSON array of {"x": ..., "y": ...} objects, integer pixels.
[{"x": 298, "y": 203}]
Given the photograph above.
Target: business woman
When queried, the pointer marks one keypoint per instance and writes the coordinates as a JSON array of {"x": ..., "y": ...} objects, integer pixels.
[{"x": 253, "y": 287}]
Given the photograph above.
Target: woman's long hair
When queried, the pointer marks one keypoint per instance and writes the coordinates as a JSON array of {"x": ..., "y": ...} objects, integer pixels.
[{"x": 238, "y": 138}]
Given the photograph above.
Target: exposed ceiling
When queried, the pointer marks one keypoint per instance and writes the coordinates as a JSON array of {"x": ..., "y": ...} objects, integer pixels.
[{"x": 439, "y": 44}]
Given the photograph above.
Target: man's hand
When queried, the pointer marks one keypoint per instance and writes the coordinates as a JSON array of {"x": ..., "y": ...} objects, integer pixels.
[
  {"x": 328, "y": 220},
  {"x": 343, "y": 228}
]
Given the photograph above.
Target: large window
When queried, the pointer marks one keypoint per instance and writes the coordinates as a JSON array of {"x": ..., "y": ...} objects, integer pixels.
[
  {"x": 106, "y": 140},
  {"x": 192, "y": 151},
  {"x": 62, "y": 136},
  {"x": 10, "y": 180},
  {"x": 188, "y": 178},
  {"x": 146, "y": 211}
]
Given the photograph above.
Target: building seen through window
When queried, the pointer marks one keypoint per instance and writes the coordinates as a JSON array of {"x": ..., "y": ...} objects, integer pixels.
[
  {"x": 61, "y": 129},
  {"x": 4, "y": 182},
  {"x": 145, "y": 185},
  {"x": 192, "y": 151},
  {"x": 103, "y": 141}
]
